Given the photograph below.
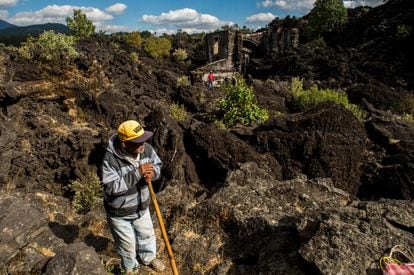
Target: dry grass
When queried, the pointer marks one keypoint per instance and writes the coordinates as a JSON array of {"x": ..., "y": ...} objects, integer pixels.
[
  {"x": 98, "y": 228},
  {"x": 43, "y": 250},
  {"x": 53, "y": 205}
]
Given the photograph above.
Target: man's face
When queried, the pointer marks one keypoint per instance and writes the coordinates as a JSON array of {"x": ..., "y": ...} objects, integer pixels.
[{"x": 134, "y": 148}]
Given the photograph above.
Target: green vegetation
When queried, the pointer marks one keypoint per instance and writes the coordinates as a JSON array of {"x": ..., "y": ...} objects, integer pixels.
[
  {"x": 178, "y": 112},
  {"x": 157, "y": 47},
  {"x": 406, "y": 107},
  {"x": 408, "y": 117},
  {"x": 311, "y": 97},
  {"x": 180, "y": 55},
  {"x": 134, "y": 39},
  {"x": 182, "y": 81},
  {"x": 134, "y": 57},
  {"x": 239, "y": 105},
  {"x": 87, "y": 193},
  {"x": 403, "y": 31},
  {"x": 326, "y": 16},
  {"x": 49, "y": 47},
  {"x": 220, "y": 124},
  {"x": 79, "y": 25},
  {"x": 316, "y": 43}
]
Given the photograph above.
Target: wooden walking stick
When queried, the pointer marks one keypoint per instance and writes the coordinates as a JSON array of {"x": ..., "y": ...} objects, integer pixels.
[{"x": 163, "y": 231}]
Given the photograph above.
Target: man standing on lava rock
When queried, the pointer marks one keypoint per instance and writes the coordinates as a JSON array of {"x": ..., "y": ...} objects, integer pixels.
[{"x": 130, "y": 163}]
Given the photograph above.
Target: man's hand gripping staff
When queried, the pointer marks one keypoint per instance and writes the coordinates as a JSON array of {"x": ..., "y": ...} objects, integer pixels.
[{"x": 147, "y": 170}]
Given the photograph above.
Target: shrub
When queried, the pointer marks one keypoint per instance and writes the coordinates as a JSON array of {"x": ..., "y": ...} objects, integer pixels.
[
  {"x": 178, "y": 112},
  {"x": 316, "y": 43},
  {"x": 79, "y": 25},
  {"x": 158, "y": 47},
  {"x": 311, "y": 97},
  {"x": 49, "y": 47},
  {"x": 239, "y": 105},
  {"x": 182, "y": 81},
  {"x": 202, "y": 97},
  {"x": 327, "y": 15},
  {"x": 134, "y": 39},
  {"x": 134, "y": 57},
  {"x": 87, "y": 193},
  {"x": 220, "y": 124},
  {"x": 408, "y": 117},
  {"x": 180, "y": 55},
  {"x": 406, "y": 105},
  {"x": 403, "y": 32}
]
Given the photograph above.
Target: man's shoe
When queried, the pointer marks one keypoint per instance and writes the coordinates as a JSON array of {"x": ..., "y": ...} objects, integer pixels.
[{"x": 157, "y": 265}]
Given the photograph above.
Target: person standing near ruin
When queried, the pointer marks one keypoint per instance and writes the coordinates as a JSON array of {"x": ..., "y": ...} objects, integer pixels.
[
  {"x": 129, "y": 164},
  {"x": 210, "y": 81}
]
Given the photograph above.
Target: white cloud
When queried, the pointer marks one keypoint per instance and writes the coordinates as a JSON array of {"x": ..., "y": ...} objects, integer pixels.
[
  {"x": 8, "y": 3},
  {"x": 185, "y": 19},
  {"x": 173, "y": 31},
  {"x": 58, "y": 14},
  {"x": 290, "y": 5},
  {"x": 356, "y": 3},
  {"x": 117, "y": 8},
  {"x": 163, "y": 30},
  {"x": 260, "y": 18},
  {"x": 307, "y": 5},
  {"x": 102, "y": 26},
  {"x": 4, "y": 14}
]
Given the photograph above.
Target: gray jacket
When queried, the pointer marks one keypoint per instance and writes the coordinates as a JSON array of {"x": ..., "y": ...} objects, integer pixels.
[{"x": 125, "y": 191}]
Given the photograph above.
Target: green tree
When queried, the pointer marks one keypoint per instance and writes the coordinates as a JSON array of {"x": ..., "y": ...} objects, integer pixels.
[
  {"x": 134, "y": 39},
  {"x": 327, "y": 15},
  {"x": 79, "y": 25},
  {"x": 145, "y": 34},
  {"x": 158, "y": 47}
]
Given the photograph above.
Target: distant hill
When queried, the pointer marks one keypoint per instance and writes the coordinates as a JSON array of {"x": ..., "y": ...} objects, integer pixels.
[
  {"x": 4, "y": 25},
  {"x": 14, "y": 35},
  {"x": 33, "y": 29}
]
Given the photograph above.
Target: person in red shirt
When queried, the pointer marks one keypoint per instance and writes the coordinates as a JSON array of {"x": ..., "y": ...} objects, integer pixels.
[{"x": 210, "y": 81}]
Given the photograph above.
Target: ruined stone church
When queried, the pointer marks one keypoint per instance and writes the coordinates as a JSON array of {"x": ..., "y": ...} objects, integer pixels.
[{"x": 230, "y": 51}]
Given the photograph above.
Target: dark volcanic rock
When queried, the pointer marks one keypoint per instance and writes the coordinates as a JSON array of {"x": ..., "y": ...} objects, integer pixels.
[
  {"x": 327, "y": 141},
  {"x": 27, "y": 242},
  {"x": 257, "y": 225},
  {"x": 391, "y": 174},
  {"x": 216, "y": 152},
  {"x": 227, "y": 210},
  {"x": 381, "y": 97},
  {"x": 354, "y": 237},
  {"x": 77, "y": 258}
]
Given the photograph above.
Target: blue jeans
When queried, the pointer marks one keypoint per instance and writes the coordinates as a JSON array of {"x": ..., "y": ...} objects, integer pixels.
[
  {"x": 210, "y": 85},
  {"x": 133, "y": 236}
]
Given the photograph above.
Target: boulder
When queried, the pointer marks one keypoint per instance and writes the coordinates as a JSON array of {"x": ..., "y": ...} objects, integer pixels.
[
  {"x": 327, "y": 141},
  {"x": 256, "y": 224},
  {"x": 390, "y": 173},
  {"x": 27, "y": 242},
  {"x": 217, "y": 152},
  {"x": 76, "y": 258},
  {"x": 351, "y": 240}
]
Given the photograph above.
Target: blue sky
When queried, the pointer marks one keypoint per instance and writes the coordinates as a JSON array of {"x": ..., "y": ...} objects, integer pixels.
[{"x": 160, "y": 15}]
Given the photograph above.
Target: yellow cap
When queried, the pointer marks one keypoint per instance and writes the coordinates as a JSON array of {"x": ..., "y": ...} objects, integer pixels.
[{"x": 132, "y": 131}]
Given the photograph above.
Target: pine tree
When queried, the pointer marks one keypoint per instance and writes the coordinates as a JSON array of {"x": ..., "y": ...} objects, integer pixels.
[{"x": 79, "y": 25}]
